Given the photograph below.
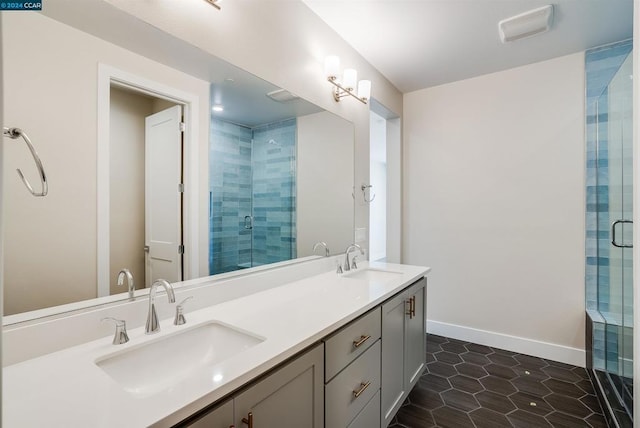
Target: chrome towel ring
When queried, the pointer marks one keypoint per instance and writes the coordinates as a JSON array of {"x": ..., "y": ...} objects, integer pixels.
[
  {"x": 363, "y": 188},
  {"x": 15, "y": 133}
]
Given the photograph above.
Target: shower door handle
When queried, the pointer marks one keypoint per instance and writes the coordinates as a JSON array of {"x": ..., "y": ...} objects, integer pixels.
[
  {"x": 248, "y": 222},
  {"x": 613, "y": 233}
]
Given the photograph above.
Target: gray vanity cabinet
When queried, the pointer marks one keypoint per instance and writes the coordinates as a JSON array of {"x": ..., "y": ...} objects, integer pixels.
[
  {"x": 220, "y": 417},
  {"x": 415, "y": 329},
  {"x": 372, "y": 364},
  {"x": 403, "y": 347},
  {"x": 290, "y": 397}
]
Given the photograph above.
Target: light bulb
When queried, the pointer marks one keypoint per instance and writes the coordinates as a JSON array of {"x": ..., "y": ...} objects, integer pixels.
[
  {"x": 350, "y": 78},
  {"x": 331, "y": 66},
  {"x": 364, "y": 89}
]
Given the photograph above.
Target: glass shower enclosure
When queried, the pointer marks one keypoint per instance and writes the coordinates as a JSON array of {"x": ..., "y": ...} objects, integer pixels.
[
  {"x": 252, "y": 195},
  {"x": 609, "y": 229}
]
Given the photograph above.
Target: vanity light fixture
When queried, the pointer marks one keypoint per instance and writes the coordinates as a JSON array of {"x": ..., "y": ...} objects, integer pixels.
[
  {"x": 349, "y": 82},
  {"x": 217, "y": 108},
  {"x": 214, "y": 3}
]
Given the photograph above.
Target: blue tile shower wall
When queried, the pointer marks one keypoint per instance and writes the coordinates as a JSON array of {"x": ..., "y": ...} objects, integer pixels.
[
  {"x": 274, "y": 192},
  {"x": 230, "y": 196},
  {"x": 601, "y": 65},
  {"x": 252, "y": 172}
]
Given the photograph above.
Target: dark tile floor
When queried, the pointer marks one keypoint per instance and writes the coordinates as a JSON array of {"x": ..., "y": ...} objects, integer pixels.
[{"x": 470, "y": 385}]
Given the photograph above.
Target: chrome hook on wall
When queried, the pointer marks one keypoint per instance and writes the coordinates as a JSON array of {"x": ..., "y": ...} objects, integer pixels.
[
  {"x": 364, "y": 188},
  {"x": 15, "y": 133}
]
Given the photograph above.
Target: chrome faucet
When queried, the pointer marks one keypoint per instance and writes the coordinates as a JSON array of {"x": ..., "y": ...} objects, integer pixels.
[
  {"x": 120, "y": 336},
  {"x": 321, "y": 244},
  {"x": 153, "y": 325},
  {"x": 125, "y": 273},
  {"x": 347, "y": 265}
]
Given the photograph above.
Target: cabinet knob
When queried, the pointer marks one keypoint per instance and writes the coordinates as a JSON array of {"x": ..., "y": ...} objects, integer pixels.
[
  {"x": 359, "y": 342},
  {"x": 248, "y": 420}
]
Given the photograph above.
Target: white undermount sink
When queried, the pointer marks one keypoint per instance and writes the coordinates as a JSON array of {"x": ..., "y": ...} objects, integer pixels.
[
  {"x": 157, "y": 365},
  {"x": 372, "y": 274}
]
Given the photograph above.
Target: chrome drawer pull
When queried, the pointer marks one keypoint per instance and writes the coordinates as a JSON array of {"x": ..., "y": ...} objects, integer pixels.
[
  {"x": 363, "y": 338},
  {"x": 359, "y": 392}
]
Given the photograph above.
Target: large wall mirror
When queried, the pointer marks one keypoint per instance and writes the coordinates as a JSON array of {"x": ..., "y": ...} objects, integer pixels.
[{"x": 160, "y": 158}]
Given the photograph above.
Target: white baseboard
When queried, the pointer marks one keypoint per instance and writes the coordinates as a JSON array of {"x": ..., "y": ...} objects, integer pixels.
[{"x": 549, "y": 351}]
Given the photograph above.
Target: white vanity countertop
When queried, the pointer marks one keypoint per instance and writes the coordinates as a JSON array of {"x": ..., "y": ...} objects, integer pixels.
[{"x": 67, "y": 388}]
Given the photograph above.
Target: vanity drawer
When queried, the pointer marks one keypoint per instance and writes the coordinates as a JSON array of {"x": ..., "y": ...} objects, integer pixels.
[
  {"x": 369, "y": 416},
  {"x": 350, "y": 342},
  {"x": 362, "y": 378}
]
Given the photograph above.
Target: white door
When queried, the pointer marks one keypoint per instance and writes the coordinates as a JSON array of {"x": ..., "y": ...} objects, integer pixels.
[{"x": 163, "y": 199}]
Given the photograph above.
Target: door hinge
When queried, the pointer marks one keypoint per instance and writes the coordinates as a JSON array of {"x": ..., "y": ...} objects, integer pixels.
[
  {"x": 182, "y": 127},
  {"x": 180, "y": 249},
  {"x": 180, "y": 187}
]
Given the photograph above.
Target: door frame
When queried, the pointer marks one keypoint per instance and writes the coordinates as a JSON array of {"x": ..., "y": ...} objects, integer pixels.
[
  {"x": 108, "y": 76},
  {"x": 393, "y": 144}
]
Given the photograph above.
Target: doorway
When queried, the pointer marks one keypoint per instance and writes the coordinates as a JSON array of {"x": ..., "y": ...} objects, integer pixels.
[
  {"x": 145, "y": 233},
  {"x": 187, "y": 187},
  {"x": 385, "y": 180}
]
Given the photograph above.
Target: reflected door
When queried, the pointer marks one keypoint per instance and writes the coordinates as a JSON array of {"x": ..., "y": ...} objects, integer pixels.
[{"x": 163, "y": 196}]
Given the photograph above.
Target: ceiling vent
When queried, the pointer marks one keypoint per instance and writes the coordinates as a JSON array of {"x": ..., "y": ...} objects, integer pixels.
[
  {"x": 282, "y": 96},
  {"x": 526, "y": 24}
]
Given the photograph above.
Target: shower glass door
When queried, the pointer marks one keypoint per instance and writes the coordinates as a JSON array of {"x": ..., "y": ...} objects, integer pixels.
[
  {"x": 615, "y": 174},
  {"x": 252, "y": 212}
]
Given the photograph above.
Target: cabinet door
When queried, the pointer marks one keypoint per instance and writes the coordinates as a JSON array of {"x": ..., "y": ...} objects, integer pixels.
[
  {"x": 291, "y": 397},
  {"x": 393, "y": 345},
  {"x": 220, "y": 417},
  {"x": 369, "y": 417},
  {"x": 416, "y": 338}
]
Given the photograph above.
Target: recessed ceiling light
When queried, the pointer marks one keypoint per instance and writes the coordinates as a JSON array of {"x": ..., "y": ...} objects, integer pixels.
[{"x": 217, "y": 108}]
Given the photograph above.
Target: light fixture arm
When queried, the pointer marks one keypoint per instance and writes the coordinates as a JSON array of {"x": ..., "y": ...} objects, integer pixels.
[
  {"x": 213, "y": 3},
  {"x": 340, "y": 91}
]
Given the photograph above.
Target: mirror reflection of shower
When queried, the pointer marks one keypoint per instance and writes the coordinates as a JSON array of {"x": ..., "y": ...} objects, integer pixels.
[{"x": 252, "y": 194}]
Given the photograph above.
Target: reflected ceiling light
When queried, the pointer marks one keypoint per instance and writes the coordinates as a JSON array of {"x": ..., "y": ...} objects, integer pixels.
[
  {"x": 349, "y": 85},
  {"x": 214, "y": 3},
  {"x": 217, "y": 108},
  {"x": 526, "y": 24}
]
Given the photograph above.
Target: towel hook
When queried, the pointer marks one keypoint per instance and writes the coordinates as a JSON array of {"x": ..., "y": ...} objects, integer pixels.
[
  {"x": 15, "y": 133},
  {"x": 364, "y": 188}
]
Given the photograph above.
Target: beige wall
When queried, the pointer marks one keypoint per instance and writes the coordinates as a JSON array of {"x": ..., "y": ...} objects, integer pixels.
[
  {"x": 324, "y": 183},
  {"x": 126, "y": 185},
  {"x": 52, "y": 93},
  {"x": 494, "y": 200}
]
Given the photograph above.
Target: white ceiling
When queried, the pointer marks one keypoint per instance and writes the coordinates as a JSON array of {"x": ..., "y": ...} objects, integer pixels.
[{"x": 422, "y": 43}]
